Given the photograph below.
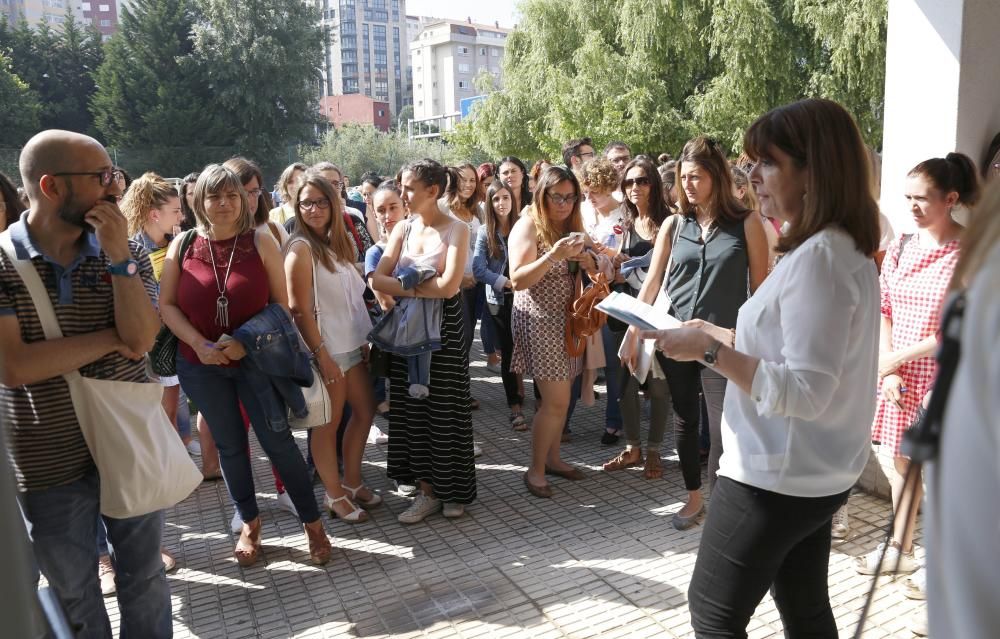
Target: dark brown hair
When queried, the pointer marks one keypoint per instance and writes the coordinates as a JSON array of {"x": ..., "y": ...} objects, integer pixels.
[
  {"x": 248, "y": 170},
  {"x": 954, "y": 172},
  {"x": 658, "y": 208},
  {"x": 492, "y": 221},
  {"x": 455, "y": 201},
  {"x": 821, "y": 137},
  {"x": 708, "y": 155}
]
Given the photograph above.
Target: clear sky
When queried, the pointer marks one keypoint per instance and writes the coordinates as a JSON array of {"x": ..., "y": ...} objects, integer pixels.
[{"x": 502, "y": 11}]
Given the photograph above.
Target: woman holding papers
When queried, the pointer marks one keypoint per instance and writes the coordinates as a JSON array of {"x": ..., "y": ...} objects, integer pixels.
[
  {"x": 719, "y": 256},
  {"x": 796, "y": 423},
  {"x": 644, "y": 212}
]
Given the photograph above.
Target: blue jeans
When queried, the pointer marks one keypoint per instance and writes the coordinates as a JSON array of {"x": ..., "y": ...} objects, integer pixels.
[
  {"x": 612, "y": 377},
  {"x": 218, "y": 392},
  {"x": 63, "y": 526}
]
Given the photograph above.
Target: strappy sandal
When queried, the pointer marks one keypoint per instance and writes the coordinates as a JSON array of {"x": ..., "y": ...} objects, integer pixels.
[
  {"x": 247, "y": 550},
  {"x": 356, "y": 516},
  {"x": 518, "y": 422},
  {"x": 623, "y": 460},
  {"x": 653, "y": 469},
  {"x": 319, "y": 544},
  {"x": 371, "y": 502}
]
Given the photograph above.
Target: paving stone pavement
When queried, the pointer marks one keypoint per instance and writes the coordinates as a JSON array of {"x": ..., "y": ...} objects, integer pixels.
[{"x": 600, "y": 559}]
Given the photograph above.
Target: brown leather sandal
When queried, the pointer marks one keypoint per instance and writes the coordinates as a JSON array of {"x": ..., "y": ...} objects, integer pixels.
[
  {"x": 247, "y": 550},
  {"x": 623, "y": 460},
  {"x": 653, "y": 469},
  {"x": 320, "y": 550}
]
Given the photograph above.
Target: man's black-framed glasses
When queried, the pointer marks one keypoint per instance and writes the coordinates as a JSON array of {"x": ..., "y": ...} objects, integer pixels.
[{"x": 105, "y": 176}]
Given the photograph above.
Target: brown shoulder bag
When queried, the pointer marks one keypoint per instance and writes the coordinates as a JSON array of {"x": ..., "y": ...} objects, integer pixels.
[{"x": 582, "y": 317}]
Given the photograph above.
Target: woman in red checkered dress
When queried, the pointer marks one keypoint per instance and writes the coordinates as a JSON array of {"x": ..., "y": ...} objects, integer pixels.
[{"x": 915, "y": 276}]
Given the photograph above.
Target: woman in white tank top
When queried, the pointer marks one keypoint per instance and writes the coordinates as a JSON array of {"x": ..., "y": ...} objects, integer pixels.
[{"x": 325, "y": 294}]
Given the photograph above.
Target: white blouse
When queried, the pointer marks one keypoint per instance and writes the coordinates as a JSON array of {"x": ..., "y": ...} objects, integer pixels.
[{"x": 804, "y": 430}]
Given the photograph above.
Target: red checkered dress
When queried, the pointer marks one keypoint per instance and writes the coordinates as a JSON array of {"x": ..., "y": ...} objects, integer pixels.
[{"x": 913, "y": 288}]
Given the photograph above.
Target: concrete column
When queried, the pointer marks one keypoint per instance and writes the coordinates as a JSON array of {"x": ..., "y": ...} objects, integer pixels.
[{"x": 942, "y": 88}]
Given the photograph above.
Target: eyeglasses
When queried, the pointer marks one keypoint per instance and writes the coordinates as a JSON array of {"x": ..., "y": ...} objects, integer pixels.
[
  {"x": 306, "y": 205},
  {"x": 559, "y": 200},
  {"x": 336, "y": 185},
  {"x": 254, "y": 194},
  {"x": 105, "y": 176},
  {"x": 639, "y": 181},
  {"x": 589, "y": 154}
]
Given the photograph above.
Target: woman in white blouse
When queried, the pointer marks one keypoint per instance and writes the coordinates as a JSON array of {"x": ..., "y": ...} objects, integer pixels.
[{"x": 794, "y": 430}]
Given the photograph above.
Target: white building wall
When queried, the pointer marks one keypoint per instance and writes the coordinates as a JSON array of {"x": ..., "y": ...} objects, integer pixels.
[{"x": 942, "y": 89}]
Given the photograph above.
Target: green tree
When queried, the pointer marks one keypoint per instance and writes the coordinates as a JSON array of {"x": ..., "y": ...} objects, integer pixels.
[
  {"x": 152, "y": 90},
  {"x": 19, "y": 106},
  {"x": 58, "y": 64},
  {"x": 262, "y": 59},
  {"x": 655, "y": 72},
  {"x": 358, "y": 148}
]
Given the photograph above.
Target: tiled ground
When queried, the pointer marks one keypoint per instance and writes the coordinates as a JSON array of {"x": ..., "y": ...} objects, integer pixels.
[{"x": 600, "y": 559}]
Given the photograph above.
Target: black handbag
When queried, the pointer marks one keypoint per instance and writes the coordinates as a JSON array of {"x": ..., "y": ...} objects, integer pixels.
[{"x": 163, "y": 355}]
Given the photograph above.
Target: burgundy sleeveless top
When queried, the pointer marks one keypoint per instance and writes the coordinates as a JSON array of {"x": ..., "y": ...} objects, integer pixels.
[{"x": 247, "y": 289}]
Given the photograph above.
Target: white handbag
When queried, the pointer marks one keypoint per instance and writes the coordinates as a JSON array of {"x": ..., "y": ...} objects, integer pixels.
[
  {"x": 142, "y": 463},
  {"x": 317, "y": 396}
]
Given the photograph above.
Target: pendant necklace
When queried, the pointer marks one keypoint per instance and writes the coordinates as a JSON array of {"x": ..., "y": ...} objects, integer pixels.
[{"x": 221, "y": 302}]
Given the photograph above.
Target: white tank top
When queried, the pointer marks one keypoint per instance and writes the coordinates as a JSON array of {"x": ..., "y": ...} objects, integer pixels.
[{"x": 343, "y": 317}]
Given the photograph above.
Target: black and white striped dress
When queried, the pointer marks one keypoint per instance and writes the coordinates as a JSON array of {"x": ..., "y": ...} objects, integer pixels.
[{"x": 431, "y": 439}]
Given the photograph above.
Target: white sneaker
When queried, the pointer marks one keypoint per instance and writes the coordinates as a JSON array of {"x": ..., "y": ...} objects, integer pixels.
[
  {"x": 106, "y": 573},
  {"x": 406, "y": 490},
  {"x": 285, "y": 503},
  {"x": 236, "y": 525},
  {"x": 453, "y": 510},
  {"x": 477, "y": 451},
  {"x": 915, "y": 586},
  {"x": 918, "y": 622},
  {"x": 866, "y": 565},
  {"x": 841, "y": 523},
  {"x": 194, "y": 447},
  {"x": 376, "y": 436},
  {"x": 422, "y": 507}
]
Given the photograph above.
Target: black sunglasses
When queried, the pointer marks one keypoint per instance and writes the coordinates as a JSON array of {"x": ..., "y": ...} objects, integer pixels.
[
  {"x": 105, "y": 176},
  {"x": 639, "y": 181}
]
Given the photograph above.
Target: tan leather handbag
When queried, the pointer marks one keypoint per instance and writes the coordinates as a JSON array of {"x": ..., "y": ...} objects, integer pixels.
[{"x": 582, "y": 318}]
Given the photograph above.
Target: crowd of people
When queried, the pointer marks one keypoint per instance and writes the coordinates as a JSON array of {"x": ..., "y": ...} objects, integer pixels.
[{"x": 799, "y": 343}]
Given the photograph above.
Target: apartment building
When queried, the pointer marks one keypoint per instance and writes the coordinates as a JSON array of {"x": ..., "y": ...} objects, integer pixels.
[
  {"x": 365, "y": 51},
  {"x": 36, "y": 11},
  {"x": 446, "y": 58}
]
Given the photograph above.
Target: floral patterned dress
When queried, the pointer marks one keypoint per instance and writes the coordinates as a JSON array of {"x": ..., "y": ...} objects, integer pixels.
[{"x": 538, "y": 323}]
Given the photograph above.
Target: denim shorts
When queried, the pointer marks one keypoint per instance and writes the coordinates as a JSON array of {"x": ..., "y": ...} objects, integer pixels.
[{"x": 347, "y": 361}]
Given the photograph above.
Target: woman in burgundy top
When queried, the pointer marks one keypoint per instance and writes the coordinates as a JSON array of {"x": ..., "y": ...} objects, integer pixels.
[{"x": 225, "y": 278}]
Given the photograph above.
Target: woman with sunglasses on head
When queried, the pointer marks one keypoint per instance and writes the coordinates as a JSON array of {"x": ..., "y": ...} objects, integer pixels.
[
  {"x": 547, "y": 248},
  {"x": 644, "y": 213},
  {"x": 430, "y": 437},
  {"x": 492, "y": 268},
  {"x": 326, "y": 296},
  {"x": 801, "y": 376},
  {"x": 720, "y": 257},
  {"x": 229, "y": 274}
]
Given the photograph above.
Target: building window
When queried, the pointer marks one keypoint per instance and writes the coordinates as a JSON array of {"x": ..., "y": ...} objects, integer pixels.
[
  {"x": 463, "y": 67},
  {"x": 482, "y": 50},
  {"x": 495, "y": 53},
  {"x": 463, "y": 50},
  {"x": 103, "y": 8},
  {"x": 462, "y": 84},
  {"x": 105, "y": 23},
  {"x": 85, "y": 6},
  {"x": 381, "y": 113}
]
